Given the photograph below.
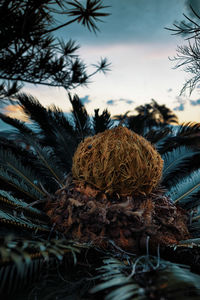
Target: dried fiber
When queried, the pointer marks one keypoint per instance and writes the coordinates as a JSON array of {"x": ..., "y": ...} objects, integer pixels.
[
  {"x": 118, "y": 161},
  {"x": 88, "y": 215}
]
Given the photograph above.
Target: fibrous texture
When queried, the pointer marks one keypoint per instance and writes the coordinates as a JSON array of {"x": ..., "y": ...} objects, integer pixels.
[
  {"x": 88, "y": 215},
  {"x": 118, "y": 161}
]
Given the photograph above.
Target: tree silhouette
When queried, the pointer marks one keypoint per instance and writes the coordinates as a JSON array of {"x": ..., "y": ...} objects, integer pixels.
[
  {"x": 29, "y": 50},
  {"x": 148, "y": 116},
  {"x": 188, "y": 55}
]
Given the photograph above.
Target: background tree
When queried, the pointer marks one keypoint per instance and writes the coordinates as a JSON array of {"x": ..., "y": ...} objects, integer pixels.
[
  {"x": 148, "y": 116},
  {"x": 29, "y": 50},
  {"x": 188, "y": 55}
]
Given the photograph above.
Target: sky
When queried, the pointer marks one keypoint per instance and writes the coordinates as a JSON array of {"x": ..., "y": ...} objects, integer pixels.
[{"x": 136, "y": 43}]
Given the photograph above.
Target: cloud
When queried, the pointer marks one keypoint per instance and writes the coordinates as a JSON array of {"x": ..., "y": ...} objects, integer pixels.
[
  {"x": 85, "y": 100},
  {"x": 181, "y": 107},
  {"x": 15, "y": 111},
  {"x": 195, "y": 102},
  {"x": 169, "y": 90},
  {"x": 181, "y": 104},
  {"x": 110, "y": 102},
  {"x": 116, "y": 101},
  {"x": 129, "y": 101}
]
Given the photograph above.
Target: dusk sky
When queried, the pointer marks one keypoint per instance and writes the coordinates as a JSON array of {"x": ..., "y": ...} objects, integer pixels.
[{"x": 135, "y": 42}]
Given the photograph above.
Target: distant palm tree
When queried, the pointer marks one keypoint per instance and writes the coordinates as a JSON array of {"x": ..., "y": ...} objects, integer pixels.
[
  {"x": 166, "y": 115},
  {"x": 148, "y": 116}
]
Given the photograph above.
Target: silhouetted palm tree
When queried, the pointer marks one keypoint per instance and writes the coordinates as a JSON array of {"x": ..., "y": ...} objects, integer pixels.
[{"x": 148, "y": 116}]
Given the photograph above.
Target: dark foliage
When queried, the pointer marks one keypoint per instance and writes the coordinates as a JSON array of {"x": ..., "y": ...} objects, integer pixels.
[
  {"x": 188, "y": 55},
  {"x": 101, "y": 122},
  {"x": 29, "y": 51},
  {"x": 38, "y": 261},
  {"x": 149, "y": 116},
  {"x": 80, "y": 117}
]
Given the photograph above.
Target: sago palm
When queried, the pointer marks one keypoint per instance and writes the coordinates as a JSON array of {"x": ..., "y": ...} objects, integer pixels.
[{"x": 119, "y": 226}]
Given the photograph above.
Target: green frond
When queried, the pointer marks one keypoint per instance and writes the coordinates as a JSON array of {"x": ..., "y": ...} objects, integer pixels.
[
  {"x": 156, "y": 136},
  {"x": 45, "y": 119},
  {"x": 64, "y": 147},
  {"x": 11, "y": 280},
  {"x": 194, "y": 228},
  {"x": 101, "y": 122},
  {"x": 54, "y": 129},
  {"x": 14, "y": 166},
  {"x": 30, "y": 249},
  {"x": 7, "y": 200},
  {"x": 185, "y": 192},
  {"x": 16, "y": 183},
  {"x": 80, "y": 116},
  {"x": 57, "y": 117},
  {"x": 21, "y": 222},
  {"x": 17, "y": 124},
  {"x": 22, "y": 261},
  {"x": 194, "y": 225},
  {"x": 191, "y": 243},
  {"x": 50, "y": 164},
  {"x": 33, "y": 109},
  {"x": 174, "y": 161},
  {"x": 188, "y": 129},
  {"x": 165, "y": 144},
  {"x": 163, "y": 279},
  {"x": 113, "y": 275}
]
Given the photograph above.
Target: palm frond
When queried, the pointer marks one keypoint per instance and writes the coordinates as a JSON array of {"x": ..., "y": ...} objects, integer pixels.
[
  {"x": 18, "y": 185},
  {"x": 17, "y": 124},
  {"x": 186, "y": 134},
  {"x": 156, "y": 136},
  {"x": 145, "y": 277},
  {"x": 54, "y": 129},
  {"x": 167, "y": 143},
  {"x": 7, "y": 200},
  {"x": 194, "y": 228},
  {"x": 185, "y": 192},
  {"x": 50, "y": 164},
  {"x": 14, "y": 166},
  {"x": 174, "y": 161},
  {"x": 22, "y": 261},
  {"x": 58, "y": 118},
  {"x": 190, "y": 243},
  {"x": 80, "y": 116},
  {"x": 64, "y": 147},
  {"x": 21, "y": 222},
  {"x": 113, "y": 275},
  {"x": 44, "y": 119},
  {"x": 41, "y": 159},
  {"x": 190, "y": 128},
  {"x": 26, "y": 155},
  {"x": 101, "y": 122}
]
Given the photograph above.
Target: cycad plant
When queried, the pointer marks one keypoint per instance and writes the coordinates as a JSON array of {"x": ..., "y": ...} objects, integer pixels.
[{"x": 45, "y": 209}]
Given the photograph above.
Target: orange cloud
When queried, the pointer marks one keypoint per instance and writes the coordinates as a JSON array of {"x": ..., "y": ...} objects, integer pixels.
[{"x": 15, "y": 111}]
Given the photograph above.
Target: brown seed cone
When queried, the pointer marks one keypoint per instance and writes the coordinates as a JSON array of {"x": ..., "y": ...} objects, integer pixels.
[
  {"x": 88, "y": 215},
  {"x": 118, "y": 161}
]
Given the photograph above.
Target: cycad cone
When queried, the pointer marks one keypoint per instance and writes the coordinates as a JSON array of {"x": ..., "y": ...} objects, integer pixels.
[{"x": 118, "y": 161}]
